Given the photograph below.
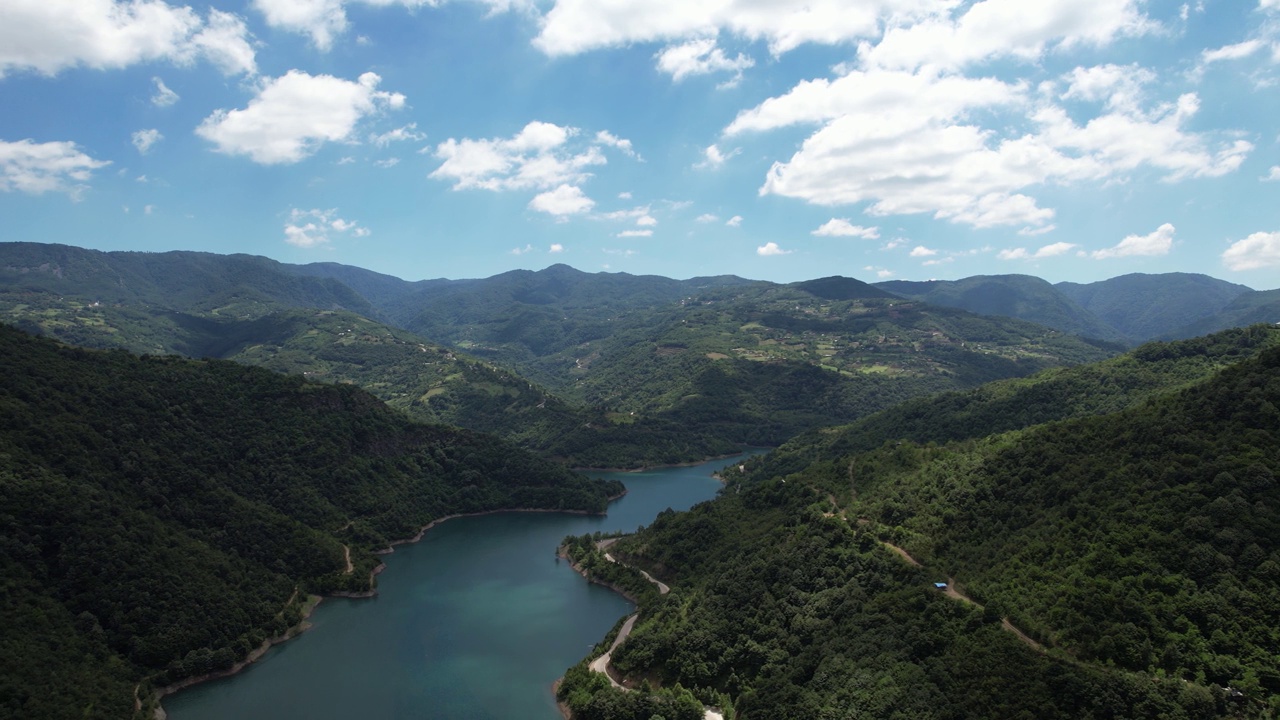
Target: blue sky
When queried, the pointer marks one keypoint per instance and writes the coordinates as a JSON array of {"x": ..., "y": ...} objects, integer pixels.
[{"x": 879, "y": 139}]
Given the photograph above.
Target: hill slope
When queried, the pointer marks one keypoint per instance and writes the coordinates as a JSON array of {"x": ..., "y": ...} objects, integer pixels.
[
  {"x": 1136, "y": 552},
  {"x": 1144, "y": 307},
  {"x": 1017, "y": 296},
  {"x": 161, "y": 517}
]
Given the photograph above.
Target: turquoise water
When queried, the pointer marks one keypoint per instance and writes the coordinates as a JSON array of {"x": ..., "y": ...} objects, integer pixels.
[{"x": 474, "y": 622}]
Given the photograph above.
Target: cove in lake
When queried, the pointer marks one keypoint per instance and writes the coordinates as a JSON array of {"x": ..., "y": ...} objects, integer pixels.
[{"x": 473, "y": 622}]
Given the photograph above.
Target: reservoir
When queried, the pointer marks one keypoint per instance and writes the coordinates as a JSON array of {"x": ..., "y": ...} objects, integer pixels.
[{"x": 473, "y": 622}]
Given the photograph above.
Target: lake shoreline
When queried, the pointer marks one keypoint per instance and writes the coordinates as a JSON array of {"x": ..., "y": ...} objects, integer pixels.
[{"x": 314, "y": 601}]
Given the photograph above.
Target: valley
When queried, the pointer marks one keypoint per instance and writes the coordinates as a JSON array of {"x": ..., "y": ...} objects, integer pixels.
[{"x": 249, "y": 433}]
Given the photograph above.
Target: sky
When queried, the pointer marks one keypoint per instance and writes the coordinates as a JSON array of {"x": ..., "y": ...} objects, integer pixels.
[{"x": 1075, "y": 140}]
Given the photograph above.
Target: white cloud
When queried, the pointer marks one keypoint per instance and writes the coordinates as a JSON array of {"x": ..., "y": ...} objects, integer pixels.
[
  {"x": 400, "y": 134},
  {"x": 224, "y": 41},
  {"x": 577, "y": 26},
  {"x": 771, "y": 248},
  {"x": 604, "y": 137},
  {"x": 148, "y": 209},
  {"x": 555, "y": 248},
  {"x": 323, "y": 20},
  {"x": 542, "y": 155},
  {"x": 1232, "y": 52},
  {"x": 707, "y": 218},
  {"x": 144, "y": 140},
  {"x": 1118, "y": 86},
  {"x": 293, "y": 115},
  {"x": 1259, "y": 250},
  {"x": 1159, "y": 242},
  {"x": 712, "y": 157},
  {"x": 387, "y": 163},
  {"x": 646, "y": 221},
  {"x": 841, "y": 227},
  {"x": 884, "y": 274},
  {"x": 907, "y": 143},
  {"x": 164, "y": 97},
  {"x": 1059, "y": 248},
  {"x": 563, "y": 201},
  {"x": 312, "y": 228},
  {"x": 635, "y": 233},
  {"x": 36, "y": 168},
  {"x": 700, "y": 57},
  {"x": 49, "y": 36},
  {"x": 522, "y": 251},
  {"x": 993, "y": 29},
  {"x": 922, "y": 251},
  {"x": 624, "y": 196},
  {"x": 1274, "y": 173},
  {"x": 735, "y": 221}
]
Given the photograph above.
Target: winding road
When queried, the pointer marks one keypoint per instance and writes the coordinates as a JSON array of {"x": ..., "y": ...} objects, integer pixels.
[{"x": 601, "y": 664}]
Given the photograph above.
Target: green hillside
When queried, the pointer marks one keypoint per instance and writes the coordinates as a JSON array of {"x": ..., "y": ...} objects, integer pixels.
[
  {"x": 613, "y": 370},
  {"x": 1057, "y": 394},
  {"x": 1262, "y": 306},
  {"x": 1017, "y": 296},
  {"x": 1121, "y": 565},
  {"x": 1145, "y": 307},
  {"x": 161, "y": 517}
]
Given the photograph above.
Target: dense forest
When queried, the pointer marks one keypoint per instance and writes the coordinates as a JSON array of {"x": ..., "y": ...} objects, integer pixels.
[
  {"x": 1133, "y": 551},
  {"x": 594, "y": 370},
  {"x": 160, "y": 517}
]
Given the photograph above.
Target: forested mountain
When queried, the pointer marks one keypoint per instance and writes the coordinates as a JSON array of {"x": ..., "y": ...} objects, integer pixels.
[
  {"x": 1121, "y": 565},
  {"x": 1057, "y": 394},
  {"x": 626, "y": 370},
  {"x": 189, "y": 282},
  {"x": 1018, "y": 296},
  {"x": 758, "y": 362},
  {"x": 1262, "y": 306},
  {"x": 161, "y": 517},
  {"x": 1145, "y": 307}
]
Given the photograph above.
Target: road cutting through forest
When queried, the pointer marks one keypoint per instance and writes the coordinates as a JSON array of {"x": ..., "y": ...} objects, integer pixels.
[{"x": 601, "y": 664}]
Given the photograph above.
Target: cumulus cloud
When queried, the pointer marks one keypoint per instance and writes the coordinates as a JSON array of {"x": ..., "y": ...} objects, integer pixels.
[
  {"x": 400, "y": 134},
  {"x": 1274, "y": 173},
  {"x": 700, "y": 57},
  {"x": 542, "y": 155},
  {"x": 322, "y": 20},
  {"x": 49, "y": 36},
  {"x": 1259, "y": 250},
  {"x": 735, "y": 221},
  {"x": 841, "y": 227},
  {"x": 707, "y": 218},
  {"x": 922, "y": 251},
  {"x": 164, "y": 97},
  {"x": 555, "y": 248},
  {"x": 563, "y": 201},
  {"x": 993, "y": 29},
  {"x": 313, "y": 228},
  {"x": 771, "y": 248},
  {"x": 1058, "y": 248},
  {"x": 144, "y": 140},
  {"x": 293, "y": 115},
  {"x": 604, "y": 137},
  {"x": 577, "y": 26},
  {"x": 712, "y": 157},
  {"x": 906, "y": 143},
  {"x": 36, "y": 168},
  {"x": 522, "y": 251},
  {"x": 635, "y": 233},
  {"x": 1159, "y": 242}
]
